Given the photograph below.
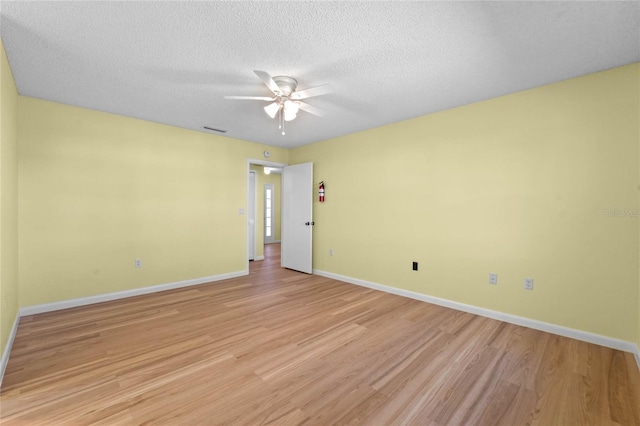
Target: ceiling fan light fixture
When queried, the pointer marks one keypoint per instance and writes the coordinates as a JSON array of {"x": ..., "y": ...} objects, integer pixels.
[
  {"x": 272, "y": 109},
  {"x": 286, "y": 101},
  {"x": 289, "y": 115},
  {"x": 291, "y": 106}
]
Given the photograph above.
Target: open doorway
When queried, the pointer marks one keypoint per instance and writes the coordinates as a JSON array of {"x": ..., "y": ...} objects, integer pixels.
[{"x": 263, "y": 208}]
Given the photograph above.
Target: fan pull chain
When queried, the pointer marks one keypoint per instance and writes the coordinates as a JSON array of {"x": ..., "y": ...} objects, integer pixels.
[{"x": 281, "y": 121}]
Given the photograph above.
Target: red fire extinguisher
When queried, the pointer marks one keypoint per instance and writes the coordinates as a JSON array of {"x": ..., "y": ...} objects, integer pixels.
[{"x": 321, "y": 192}]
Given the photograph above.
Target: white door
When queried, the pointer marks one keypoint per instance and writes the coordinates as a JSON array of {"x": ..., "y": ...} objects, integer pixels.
[
  {"x": 269, "y": 216},
  {"x": 251, "y": 216},
  {"x": 297, "y": 217}
]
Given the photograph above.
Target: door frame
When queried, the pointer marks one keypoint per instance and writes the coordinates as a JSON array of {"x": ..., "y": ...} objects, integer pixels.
[
  {"x": 252, "y": 207},
  {"x": 257, "y": 162}
]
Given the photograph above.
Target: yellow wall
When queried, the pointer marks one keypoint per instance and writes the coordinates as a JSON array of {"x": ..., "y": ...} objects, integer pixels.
[
  {"x": 8, "y": 200},
  {"x": 261, "y": 179},
  {"x": 517, "y": 185},
  {"x": 98, "y": 190}
]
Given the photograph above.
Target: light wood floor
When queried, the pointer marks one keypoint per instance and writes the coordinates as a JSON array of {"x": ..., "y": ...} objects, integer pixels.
[{"x": 287, "y": 348}]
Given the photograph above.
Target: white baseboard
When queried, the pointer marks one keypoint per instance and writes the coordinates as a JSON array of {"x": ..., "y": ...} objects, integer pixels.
[
  {"x": 7, "y": 348},
  {"x": 513, "y": 319},
  {"x": 259, "y": 258},
  {"x": 598, "y": 339},
  {"x": 72, "y": 303}
]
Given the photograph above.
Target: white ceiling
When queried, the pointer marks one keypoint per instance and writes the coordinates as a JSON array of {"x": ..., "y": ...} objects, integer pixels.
[{"x": 172, "y": 62}]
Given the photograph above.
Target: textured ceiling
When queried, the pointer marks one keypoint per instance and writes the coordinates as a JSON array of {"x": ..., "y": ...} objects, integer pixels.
[{"x": 172, "y": 62}]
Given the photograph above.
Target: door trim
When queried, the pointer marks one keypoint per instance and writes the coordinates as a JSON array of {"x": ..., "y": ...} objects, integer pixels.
[{"x": 252, "y": 207}]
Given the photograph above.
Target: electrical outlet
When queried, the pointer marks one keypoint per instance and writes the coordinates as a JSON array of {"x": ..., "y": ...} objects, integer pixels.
[
  {"x": 330, "y": 252},
  {"x": 493, "y": 279},
  {"x": 415, "y": 266},
  {"x": 528, "y": 283},
  {"x": 138, "y": 263}
]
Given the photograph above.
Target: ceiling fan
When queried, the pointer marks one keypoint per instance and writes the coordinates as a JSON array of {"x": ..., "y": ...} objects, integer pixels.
[{"x": 286, "y": 101}]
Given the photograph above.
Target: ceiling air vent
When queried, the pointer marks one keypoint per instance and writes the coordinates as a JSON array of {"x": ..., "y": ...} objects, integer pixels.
[{"x": 214, "y": 129}]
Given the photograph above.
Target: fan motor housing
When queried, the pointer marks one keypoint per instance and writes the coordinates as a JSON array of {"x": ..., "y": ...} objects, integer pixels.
[{"x": 286, "y": 84}]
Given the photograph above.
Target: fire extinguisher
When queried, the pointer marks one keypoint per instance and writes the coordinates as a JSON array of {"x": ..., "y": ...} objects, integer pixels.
[{"x": 321, "y": 192}]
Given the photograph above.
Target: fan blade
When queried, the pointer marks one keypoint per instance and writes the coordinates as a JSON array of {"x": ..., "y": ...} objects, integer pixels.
[
  {"x": 311, "y": 109},
  {"x": 253, "y": 98},
  {"x": 266, "y": 79},
  {"x": 313, "y": 91}
]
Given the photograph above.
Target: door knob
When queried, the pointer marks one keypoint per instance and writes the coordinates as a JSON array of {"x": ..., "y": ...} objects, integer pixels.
[{"x": 309, "y": 223}]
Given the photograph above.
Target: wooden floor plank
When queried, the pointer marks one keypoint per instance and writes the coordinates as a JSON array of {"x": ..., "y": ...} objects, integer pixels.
[{"x": 285, "y": 348}]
